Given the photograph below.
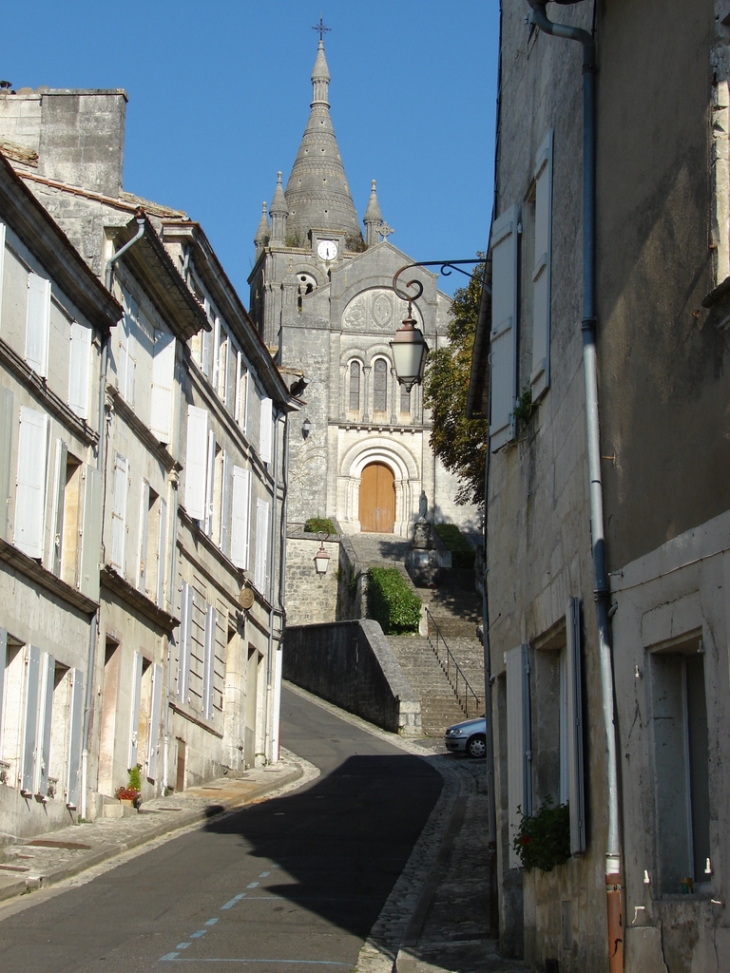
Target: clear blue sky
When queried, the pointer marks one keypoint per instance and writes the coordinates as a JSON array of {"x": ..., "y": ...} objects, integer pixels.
[{"x": 219, "y": 95}]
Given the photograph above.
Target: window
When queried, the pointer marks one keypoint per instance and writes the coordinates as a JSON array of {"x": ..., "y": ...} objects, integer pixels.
[
  {"x": 30, "y": 496},
  {"x": 240, "y": 516},
  {"x": 185, "y": 644},
  {"x": 405, "y": 400},
  {"x": 119, "y": 512},
  {"x": 503, "y": 336},
  {"x": 261, "y": 568},
  {"x": 266, "y": 429},
  {"x": 38, "y": 323},
  {"x": 241, "y": 406},
  {"x": 6, "y": 439},
  {"x": 79, "y": 369},
  {"x": 211, "y": 618},
  {"x": 355, "y": 387},
  {"x": 380, "y": 386},
  {"x": 196, "y": 462},
  {"x": 540, "y": 375},
  {"x": 127, "y": 348},
  {"x": 163, "y": 375}
]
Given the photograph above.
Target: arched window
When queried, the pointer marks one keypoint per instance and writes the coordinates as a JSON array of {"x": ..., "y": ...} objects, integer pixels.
[
  {"x": 405, "y": 400},
  {"x": 354, "y": 386},
  {"x": 380, "y": 386}
]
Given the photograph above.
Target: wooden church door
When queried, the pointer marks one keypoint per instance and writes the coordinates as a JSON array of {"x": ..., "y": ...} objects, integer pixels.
[{"x": 377, "y": 499}]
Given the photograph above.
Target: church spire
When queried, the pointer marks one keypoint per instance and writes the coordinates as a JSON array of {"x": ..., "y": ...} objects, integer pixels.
[
  {"x": 373, "y": 218},
  {"x": 317, "y": 193},
  {"x": 263, "y": 232},
  {"x": 278, "y": 212}
]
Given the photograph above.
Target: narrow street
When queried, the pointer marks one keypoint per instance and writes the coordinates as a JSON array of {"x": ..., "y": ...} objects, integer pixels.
[{"x": 288, "y": 884}]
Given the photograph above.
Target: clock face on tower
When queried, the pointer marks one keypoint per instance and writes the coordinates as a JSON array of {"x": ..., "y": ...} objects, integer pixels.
[{"x": 327, "y": 249}]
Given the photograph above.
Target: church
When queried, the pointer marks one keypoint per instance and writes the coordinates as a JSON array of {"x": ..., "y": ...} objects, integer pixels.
[{"x": 322, "y": 298}]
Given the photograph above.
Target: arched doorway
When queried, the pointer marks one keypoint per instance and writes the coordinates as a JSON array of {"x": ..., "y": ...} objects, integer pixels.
[{"x": 377, "y": 499}]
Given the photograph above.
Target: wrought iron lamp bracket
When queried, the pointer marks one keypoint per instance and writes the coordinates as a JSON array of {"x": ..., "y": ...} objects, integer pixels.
[{"x": 447, "y": 266}]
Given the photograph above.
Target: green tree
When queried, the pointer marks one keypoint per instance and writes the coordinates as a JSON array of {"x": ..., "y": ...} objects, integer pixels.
[{"x": 459, "y": 443}]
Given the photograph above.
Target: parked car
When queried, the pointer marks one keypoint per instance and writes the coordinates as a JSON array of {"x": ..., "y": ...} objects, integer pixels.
[{"x": 469, "y": 737}]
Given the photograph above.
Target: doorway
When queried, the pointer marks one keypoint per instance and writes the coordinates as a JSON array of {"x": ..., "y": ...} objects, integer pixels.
[{"x": 377, "y": 499}]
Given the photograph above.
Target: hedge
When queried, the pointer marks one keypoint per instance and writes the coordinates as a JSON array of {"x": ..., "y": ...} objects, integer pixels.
[
  {"x": 391, "y": 602},
  {"x": 462, "y": 553},
  {"x": 323, "y": 525}
]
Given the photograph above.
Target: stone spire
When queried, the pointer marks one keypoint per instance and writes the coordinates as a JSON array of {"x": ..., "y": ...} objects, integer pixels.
[
  {"x": 263, "y": 232},
  {"x": 373, "y": 218},
  {"x": 278, "y": 213},
  {"x": 317, "y": 193}
]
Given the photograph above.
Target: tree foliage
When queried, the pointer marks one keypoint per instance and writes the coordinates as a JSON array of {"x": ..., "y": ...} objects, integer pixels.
[{"x": 459, "y": 443}]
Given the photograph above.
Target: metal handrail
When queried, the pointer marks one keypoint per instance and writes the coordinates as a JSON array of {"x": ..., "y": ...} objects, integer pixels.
[{"x": 467, "y": 694}]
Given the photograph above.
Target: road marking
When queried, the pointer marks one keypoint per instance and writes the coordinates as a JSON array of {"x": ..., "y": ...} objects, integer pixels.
[
  {"x": 252, "y": 885},
  {"x": 264, "y": 874},
  {"x": 211, "y": 922},
  {"x": 199, "y": 934},
  {"x": 182, "y": 945},
  {"x": 168, "y": 956},
  {"x": 236, "y": 898}
]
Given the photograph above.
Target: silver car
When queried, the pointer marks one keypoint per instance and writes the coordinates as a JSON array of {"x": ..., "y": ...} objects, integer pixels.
[{"x": 469, "y": 737}]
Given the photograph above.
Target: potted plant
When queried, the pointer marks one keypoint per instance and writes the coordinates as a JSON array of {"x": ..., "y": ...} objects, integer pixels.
[
  {"x": 130, "y": 794},
  {"x": 543, "y": 839}
]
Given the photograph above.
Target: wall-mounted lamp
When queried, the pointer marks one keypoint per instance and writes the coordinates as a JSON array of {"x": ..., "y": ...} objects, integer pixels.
[
  {"x": 321, "y": 558},
  {"x": 306, "y": 428}
]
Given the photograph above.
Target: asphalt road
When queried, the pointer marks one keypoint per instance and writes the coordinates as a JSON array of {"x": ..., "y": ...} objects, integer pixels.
[{"x": 291, "y": 885}]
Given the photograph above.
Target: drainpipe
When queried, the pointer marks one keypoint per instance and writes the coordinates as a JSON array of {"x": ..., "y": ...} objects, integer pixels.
[
  {"x": 272, "y": 732},
  {"x": 613, "y": 871},
  {"x": 101, "y": 466}
]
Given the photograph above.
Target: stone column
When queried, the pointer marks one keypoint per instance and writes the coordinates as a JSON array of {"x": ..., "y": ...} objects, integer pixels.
[
  {"x": 394, "y": 393},
  {"x": 366, "y": 393}
]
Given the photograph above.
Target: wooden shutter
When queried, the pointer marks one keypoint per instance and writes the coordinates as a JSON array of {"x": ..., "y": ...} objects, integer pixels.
[
  {"x": 79, "y": 369},
  {"x": 503, "y": 336},
  {"x": 30, "y": 498},
  {"x": 91, "y": 533},
  {"x": 2, "y": 264},
  {"x": 45, "y": 717},
  {"x": 38, "y": 323},
  {"x": 161, "y": 553},
  {"x": 153, "y": 732},
  {"x": 519, "y": 789},
  {"x": 540, "y": 375},
  {"x": 195, "y": 462},
  {"x": 575, "y": 729},
  {"x": 75, "y": 732},
  {"x": 262, "y": 544},
  {"x": 134, "y": 711},
  {"x": 6, "y": 441},
  {"x": 127, "y": 364},
  {"x": 30, "y": 725},
  {"x": 216, "y": 353},
  {"x": 163, "y": 373},
  {"x": 183, "y": 660},
  {"x": 209, "y": 484},
  {"x": 3, "y": 662},
  {"x": 225, "y": 539},
  {"x": 209, "y": 661},
  {"x": 265, "y": 430},
  {"x": 144, "y": 509},
  {"x": 240, "y": 517},
  {"x": 59, "y": 498},
  {"x": 119, "y": 512}
]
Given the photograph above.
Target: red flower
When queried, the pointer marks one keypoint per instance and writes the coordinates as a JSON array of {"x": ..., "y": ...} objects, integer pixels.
[{"x": 525, "y": 839}]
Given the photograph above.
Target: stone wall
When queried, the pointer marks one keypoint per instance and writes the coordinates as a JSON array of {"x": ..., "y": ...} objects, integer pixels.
[
  {"x": 352, "y": 665},
  {"x": 311, "y": 598}
]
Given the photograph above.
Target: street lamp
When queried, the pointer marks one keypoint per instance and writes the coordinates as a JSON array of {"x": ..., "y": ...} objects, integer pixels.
[{"x": 321, "y": 558}]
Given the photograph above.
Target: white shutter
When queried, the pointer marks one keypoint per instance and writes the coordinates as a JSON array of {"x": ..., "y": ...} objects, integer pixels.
[
  {"x": 519, "y": 788},
  {"x": 209, "y": 662},
  {"x": 78, "y": 371},
  {"x": 262, "y": 544},
  {"x": 153, "y": 733},
  {"x": 209, "y": 484},
  {"x": 540, "y": 375},
  {"x": 195, "y": 462},
  {"x": 30, "y": 725},
  {"x": 91, "y": 533},
  {"x": 134, "y": 711},
  {"x": 503, "y": 336},
  {"x": 59, "y": 496},
  {"x": 216, "y": 353},
  {"x": 75, "y": 728},
  {"x": 119, "y": 512},
  {"x": 183, "y": 660},
  {"x": 30, "y": 498},
  {"x": 45, "y": 716},
  {"x": 144, "y": 507},
  {"x": 240, "y": 516},
  {"x": 38, "y": 323},
  {"x": 239, "y": 375},
  {"x": 575, "y": 729},
  {"x": 163, "y": 372},
  {"x": 266, "y": 423},
  {"x": 161, "y": 554},
  {"x": 3, "y": 662},
  {"x": 6, "y": 441},
  {"x": 2, "y": 264},
  {"x": 128, "y": 349},
  {"x": 225, "y": 539}
]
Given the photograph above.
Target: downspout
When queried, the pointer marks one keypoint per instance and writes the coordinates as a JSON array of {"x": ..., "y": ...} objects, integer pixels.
[
  {"x": 613, "y": 866},
  {"x": 270, "y": 688},
  {"x": 101, "y": 466}
]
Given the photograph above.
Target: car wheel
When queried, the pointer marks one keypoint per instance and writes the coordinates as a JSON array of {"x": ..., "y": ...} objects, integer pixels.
[{"x": 477, "y": 746}]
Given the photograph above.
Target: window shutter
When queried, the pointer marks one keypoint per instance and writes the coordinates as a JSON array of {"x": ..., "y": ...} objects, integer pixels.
[
  {"x": 163, "y": 372},
  {"x": 540, "y": 376},
  {"x": 2, "y": 264},
  {"x": 265, "y": 430},
  {"x": 503, "y": 336},
  {"x": 575, "y": 730},
  {"x": 30, "y": 498},
  {"x": 216, "y": 353},
  {"x": 519, "y": 789},
  {"x": 240, "y": 517},
  {"x": 30, "y": 728},
  {"x": 78, "y": 371},
  {"x": 75, "y": 728},
  {"x": 144, "y": 508},
  {"x": 205, "y": 357},
  {"x": 134, "y": 712},
  {"x": 59, "y": 495},
  {"x": 153, "y": 734},
  {"x": 209, "y": 484},
  {"x": 91, "y": 533},
  {"x": 3, "y": 661},
  {"x": 226, "y": 504},
  {"x": 6, "y": 441},
  {"x": 119, "y": 512},
  {"x": 38, "y": 323},
  {"x": 262, "y": 544},
  {"x": 45, "y": 717},
  {"x": 209, "y": 662},
  {"x": 128, "y": 349},
  {"x": 161, "y": 554},
  {"x": 183, "y": 661},
  {"x": 195, "y": 462},
  {"x": 239, "y": 376}
]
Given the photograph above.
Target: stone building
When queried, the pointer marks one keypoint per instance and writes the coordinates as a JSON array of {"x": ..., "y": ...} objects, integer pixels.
[
  {"x": 322, "y": 298},
  {"x": 187, "y": 653},
  {"x": 609, "y": 651}
]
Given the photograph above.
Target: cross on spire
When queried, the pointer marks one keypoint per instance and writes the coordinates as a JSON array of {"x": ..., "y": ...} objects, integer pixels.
[{"x": 321, "y": 28}]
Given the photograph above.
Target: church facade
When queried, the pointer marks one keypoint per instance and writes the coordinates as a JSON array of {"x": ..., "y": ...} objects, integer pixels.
[{"x": 322, "y": 298}]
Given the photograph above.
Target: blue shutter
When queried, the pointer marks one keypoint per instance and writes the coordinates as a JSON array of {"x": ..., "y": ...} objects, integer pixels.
[
  {"x": 503, "y": 336},
  {"x": 75, "y": 729},
  {"x": 575, "y": 730},
  {"x": 540, "y": 375}
]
